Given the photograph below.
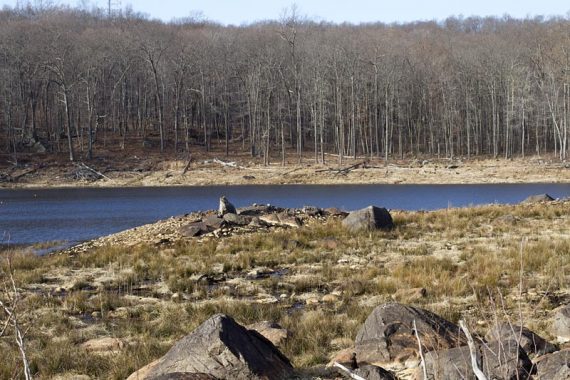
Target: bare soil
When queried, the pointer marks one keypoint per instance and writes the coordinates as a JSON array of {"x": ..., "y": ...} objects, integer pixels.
[{"x": 142, "y": 168}]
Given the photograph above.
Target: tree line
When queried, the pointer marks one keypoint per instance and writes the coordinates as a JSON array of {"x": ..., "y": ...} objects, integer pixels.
[{"x": 77, "y": 80}]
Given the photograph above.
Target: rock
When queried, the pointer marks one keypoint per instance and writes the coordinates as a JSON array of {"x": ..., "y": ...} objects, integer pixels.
[
  {"x": 553, "y": 366},
  {"x": 312, "y": 211},
  {"x": 530, "y": 342},
  {"x": 409, "y": 295},
  {"x": 281, "y": 220},
  {"x": 369, "y": 218},
  {"x": 256, "y": 210},
  {"x": 333, "y": 211},
  {"x": 271, "y": 331},
  {"x": 193, "y": 229},
  {"x": 225, "y": 207},
  {"x": 538, "y": 198},
  {"x": 106, "y": 344},
  {"x": 238, "y": 220},
  {"x": 388, "y": 335},
  {"x": 561, "y": 324},
  {"x": 213, "y": 222},
  {"x": 503, "y": 360},
  {"x": 222, "y": 348},
  {"x": 372, "y": 372}
]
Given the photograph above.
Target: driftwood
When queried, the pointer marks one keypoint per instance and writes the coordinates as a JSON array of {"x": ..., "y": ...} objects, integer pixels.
[
  {"x": 225, "y": 164},
  {"x": 81, "y": 165}
]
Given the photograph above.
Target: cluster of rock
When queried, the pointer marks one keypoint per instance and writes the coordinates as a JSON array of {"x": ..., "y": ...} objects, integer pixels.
[
  {"x": 393, "y": 333},
  {"x": 229, "y": 219}
]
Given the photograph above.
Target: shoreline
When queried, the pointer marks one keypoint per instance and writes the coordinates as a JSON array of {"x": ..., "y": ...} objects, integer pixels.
[{"x": 171, "y": 173}]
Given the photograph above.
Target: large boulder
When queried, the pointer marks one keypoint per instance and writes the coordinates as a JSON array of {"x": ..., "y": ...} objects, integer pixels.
[
  {"x": 538, "y": 198},
  {"x": 226, "y": 207},
  {"x": 530, "y": 342},
  {"x": 222, "y": 348},
  {"x": 503, "y": 360},
  {"x": 369, "y": 218},
  {"x": 388, "y": 334},
  {"x": 561, "y": 324},
  {"x": 554, "y": 366}
]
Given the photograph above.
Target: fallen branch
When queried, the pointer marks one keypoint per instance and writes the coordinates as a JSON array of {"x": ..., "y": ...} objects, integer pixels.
[
  {"x": 82, "y": 165},
  {"x": 472, "y": 350},
  {"x": 350, "y": 374},
  {"x": 225, "y": 164},
  {"x": 423, "y": 362}
]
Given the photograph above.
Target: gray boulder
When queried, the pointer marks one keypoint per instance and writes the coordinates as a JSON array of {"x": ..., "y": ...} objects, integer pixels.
[
  {"x": 237, "y": 220},
  {"x": 538, "y": 198},
  {"x": 388, "y": 334},
  {"x": 561, "y": 324},
  {"x": 554, "y": 366},
  {"x": 503, "y": 360},
  {"x": 530, "y": 342},
  {"x": 226, "y": 207},
  {"x": 369, "y": 218},
  {"x": 224, "y": 349},
  {"x": 194, "y": 229}
]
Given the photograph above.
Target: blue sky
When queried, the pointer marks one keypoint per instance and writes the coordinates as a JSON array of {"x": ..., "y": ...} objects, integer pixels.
[{"x": 243, "y": 11}]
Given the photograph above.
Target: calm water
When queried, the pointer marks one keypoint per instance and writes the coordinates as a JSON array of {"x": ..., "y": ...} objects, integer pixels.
[{"x": 30, "y": 216}]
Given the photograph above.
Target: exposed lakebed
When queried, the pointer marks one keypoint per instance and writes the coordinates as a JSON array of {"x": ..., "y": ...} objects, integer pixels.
[{"x": 40, "y": 215}]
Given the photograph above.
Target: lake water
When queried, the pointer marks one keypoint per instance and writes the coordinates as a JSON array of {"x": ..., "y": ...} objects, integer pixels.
[{"x": 31, "y": 216}]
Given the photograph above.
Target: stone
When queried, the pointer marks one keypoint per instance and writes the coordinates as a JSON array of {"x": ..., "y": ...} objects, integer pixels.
[
  {"x": 369, "y": 218},
  {"x": 226, "y": 207},
  {"x": 213, "y": 222},
  {"x": 503, "y": 360},
  {"x": 106, "y": 344},
  {"x": 271, "y": 331},
  {"x": 388, "y": 334},
  {"x": 256, "y": 210},
  {"x": 224, "y": 349},
  {"x": 281, "y": 220},
  {"x": 538, "y": 198},
  {"x": 561, "y": 325},
  {"x": 193, "y": 229},
  {"x": 333, "y": 211},
  {"x": 553, "y": 366},
  {"x": 372, "y": 372},
  {"x": 238, "y": 220},
  {"x": 530, "y": 342},
  {"x": 312, "y": 211}
]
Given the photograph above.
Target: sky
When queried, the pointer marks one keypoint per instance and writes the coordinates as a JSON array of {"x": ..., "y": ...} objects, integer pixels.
[{"x": 238, "y": 12}]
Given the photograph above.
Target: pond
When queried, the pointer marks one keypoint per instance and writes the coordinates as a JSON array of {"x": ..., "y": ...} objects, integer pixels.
[{"x": 72, "y": 215}]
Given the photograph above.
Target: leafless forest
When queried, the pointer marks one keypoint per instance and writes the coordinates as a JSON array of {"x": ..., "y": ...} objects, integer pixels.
[{"x": 76, "y": 81}]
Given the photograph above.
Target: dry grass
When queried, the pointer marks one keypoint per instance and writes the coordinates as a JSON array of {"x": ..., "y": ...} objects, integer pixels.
[{"x": 469, "y": 260}]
